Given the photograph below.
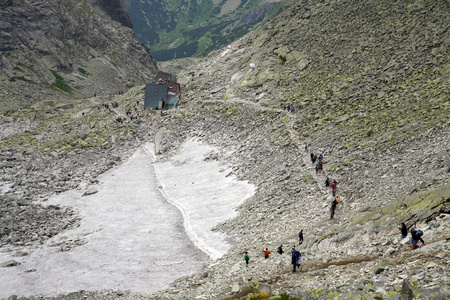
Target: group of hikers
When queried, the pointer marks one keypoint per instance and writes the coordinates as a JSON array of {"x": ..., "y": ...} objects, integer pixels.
[
  {"x": 289, "y": 108},
  {"x": 319, "y": 164},
  {"x": 295, "y": 254},
  {"x": 416, "y": 235}
]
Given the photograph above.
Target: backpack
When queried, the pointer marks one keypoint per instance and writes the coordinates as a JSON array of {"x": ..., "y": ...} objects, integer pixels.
[{"x": 419, "y": 232}]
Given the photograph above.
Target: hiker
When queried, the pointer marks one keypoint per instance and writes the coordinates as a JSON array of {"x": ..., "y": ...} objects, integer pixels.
[
  {"x": 295, "y": 259},
  {"x": 280, "y": 249},
  {"x": 266, "y": 253},
  {"x": 317, "y": 168},
  {"x": 320, "y": 156},
  {"x": 246, "y": 258},
  {"x": 333, "y": 208},
  {"x": 327, "y": 182},
  {"x": 320, "y": 166},
  {"x": 416, "y": 236},
  {"x": 403, "y": 230},
  {"x": 300, "y": 237},
  {"x": 306, "y": 147},
  {"x": 334, "y": 192},
  {"x": 312, "y": 157},
  {"x": 334, "y": 182}
]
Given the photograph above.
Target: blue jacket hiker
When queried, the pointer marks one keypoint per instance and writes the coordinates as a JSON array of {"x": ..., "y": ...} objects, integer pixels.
[
  {"x": 416, "y": 236},
  {"x": 295, "y": 260}
]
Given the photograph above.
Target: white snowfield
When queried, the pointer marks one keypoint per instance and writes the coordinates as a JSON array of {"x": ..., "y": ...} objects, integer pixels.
[{"x": 135, "y": 238}]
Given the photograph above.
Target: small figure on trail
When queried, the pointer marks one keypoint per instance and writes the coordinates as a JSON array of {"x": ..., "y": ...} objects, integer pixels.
[
  {"x": 333, "y": 208},
  {"x": 306, "y": 147},
  {"x": 327, "y": 182},
  {"x": 317, "y": 168},
  {"x": 280, "y": 249},
  {"x": 295, "y": 259},
  {"x": 334, "y": 182},
  {"x": 300, "y": 237},
  {"x": 416, "y": 236},
  {"x": 312, "y": 157},
  {"x": 334, "y": 192},
  {"x": 320, "y": 166},
  {"x": 403, "y": 230},
  {"x": 246, "y": 258},
  {"x": 320, "y": 156},
  {"x": 266, "y": 253}
]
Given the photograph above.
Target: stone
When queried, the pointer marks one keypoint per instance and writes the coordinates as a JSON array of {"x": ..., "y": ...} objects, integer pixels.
[
  {"x": 90, "y": 191},
  {"x": 10, "y": 263}
]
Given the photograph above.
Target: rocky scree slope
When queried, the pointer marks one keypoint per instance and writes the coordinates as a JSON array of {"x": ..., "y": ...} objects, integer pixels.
[
  {"x": 68, "y": 49},
  {"x": 369, "y": 83},
  {"x": 385, "y": 141}
]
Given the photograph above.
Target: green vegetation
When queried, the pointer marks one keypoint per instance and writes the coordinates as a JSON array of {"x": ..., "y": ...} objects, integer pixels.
[
  {"x": 83, "y": 72},
  {"x": 21, "y": 78},
  {"x": 59, "y": 83},
  {"x": 175, "y": 29}
]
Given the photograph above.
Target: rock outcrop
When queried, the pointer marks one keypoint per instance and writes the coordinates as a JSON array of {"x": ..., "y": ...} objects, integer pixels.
[{"x": 70, "y": 48}]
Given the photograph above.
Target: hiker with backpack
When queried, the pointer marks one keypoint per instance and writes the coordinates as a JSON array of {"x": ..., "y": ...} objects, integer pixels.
[
  {"x": 266, "y": 253},
  {"x": 333, "y": 207},
  {"x": 246, "y": 258},
  {"x": 312, "y": 157},
  {"x": 416, "y": 236},
  {"x": 280, "y": 250},
  {"x": 295, "y": 259}
]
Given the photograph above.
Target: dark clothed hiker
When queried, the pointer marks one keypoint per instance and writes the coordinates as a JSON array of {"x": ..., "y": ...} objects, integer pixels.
[
  {"x": 333, "y": 208},
  {"x": 300, "y": 237},
  {"x": 416, "y": 236},
  {"x": 403, "y": 231},
  {"x": 295, "y": 259},
  {"x": 280, "y": 249}
]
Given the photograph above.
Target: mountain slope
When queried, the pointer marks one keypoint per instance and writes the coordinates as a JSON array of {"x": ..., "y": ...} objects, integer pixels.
[
  {"x": 68, "y": 48},
  {"x": 175, "y": 29}
]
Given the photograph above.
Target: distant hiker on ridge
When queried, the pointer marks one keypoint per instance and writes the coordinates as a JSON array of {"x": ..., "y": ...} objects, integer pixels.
[
  {"x": 327, "y": 182},
  {"x": 266, "y": 253}
]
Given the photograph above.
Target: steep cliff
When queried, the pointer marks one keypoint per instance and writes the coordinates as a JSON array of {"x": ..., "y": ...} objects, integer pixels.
[{"x": 50, "y": 48}]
